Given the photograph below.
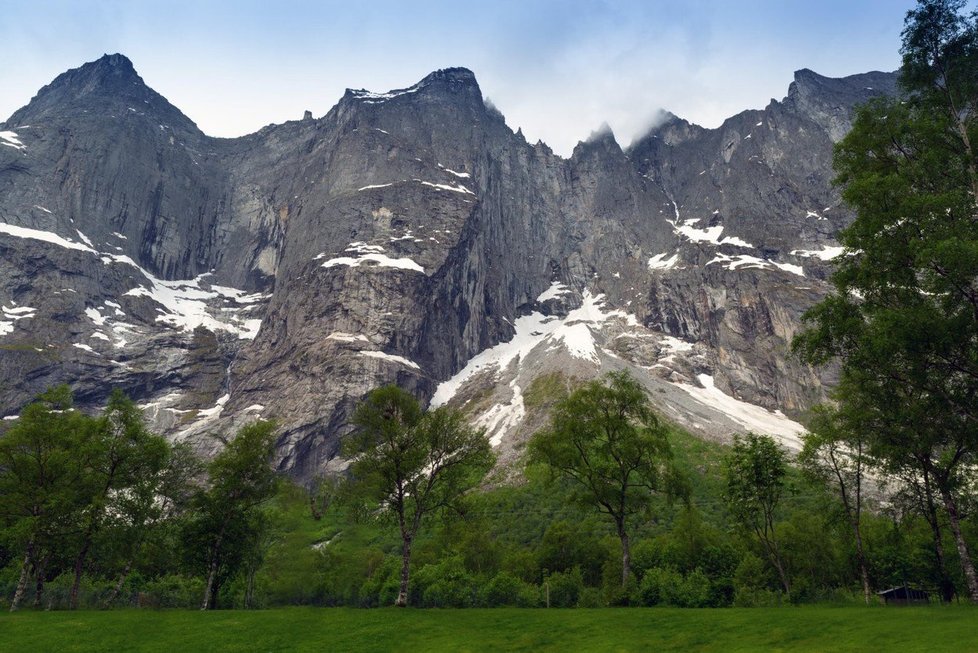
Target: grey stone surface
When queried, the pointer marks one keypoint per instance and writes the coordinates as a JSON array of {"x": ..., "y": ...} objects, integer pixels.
[{"x": 392, "y": 240}]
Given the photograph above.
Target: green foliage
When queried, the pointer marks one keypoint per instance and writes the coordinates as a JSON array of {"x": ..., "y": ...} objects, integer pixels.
[
  {"x": 411, "y": 463},
  {"x": 667, "y": 587},
  {"x": 545, "y": 390},
  {"x": 755, "y": 484},
  {"x": 606, "y": 439},
  {"x": 902, "y": 321},
  {"x": 227, "y": 525},
  {"x": 564, "y": 588}
]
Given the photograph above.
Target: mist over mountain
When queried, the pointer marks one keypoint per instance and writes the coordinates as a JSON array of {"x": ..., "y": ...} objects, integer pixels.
[{"x": 411, "y": 237}]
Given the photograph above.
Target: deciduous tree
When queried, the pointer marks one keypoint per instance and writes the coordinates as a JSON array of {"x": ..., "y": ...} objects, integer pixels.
[
  {"x": 412, "y": 463},
  {"x": 606, "y": 438}
]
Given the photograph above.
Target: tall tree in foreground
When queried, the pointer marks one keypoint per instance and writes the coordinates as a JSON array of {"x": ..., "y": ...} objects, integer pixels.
[
  {"x": 123, "y": 467},
  {"x": 241, "y": 480},
  {"x": 412, "y": 463},
  {"x": 904, "y": 319},
  {"x": 40, "y": 477},
  {"x": 755, "y": 484},
  {"x": 837, "y": 456},
  {"x": 608, "y": 441}
]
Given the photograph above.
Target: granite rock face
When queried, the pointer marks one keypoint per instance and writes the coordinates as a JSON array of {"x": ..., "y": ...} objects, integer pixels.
[{"x": 409, "y": 237}]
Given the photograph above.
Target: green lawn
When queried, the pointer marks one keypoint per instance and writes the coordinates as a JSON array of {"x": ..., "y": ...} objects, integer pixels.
[{"x": 821, "y": 629}]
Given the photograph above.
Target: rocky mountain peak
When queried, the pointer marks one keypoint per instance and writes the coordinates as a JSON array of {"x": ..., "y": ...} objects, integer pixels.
[
  {"x": 452, "y": 81},
  {"x": 107, "y": 86}
]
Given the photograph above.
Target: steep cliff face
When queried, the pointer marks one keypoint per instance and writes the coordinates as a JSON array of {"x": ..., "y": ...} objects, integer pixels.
[{"x": 408, "y": 237}]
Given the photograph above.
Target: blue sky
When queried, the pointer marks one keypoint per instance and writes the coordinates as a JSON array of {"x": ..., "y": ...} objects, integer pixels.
[{"x": 558, "y": 69}]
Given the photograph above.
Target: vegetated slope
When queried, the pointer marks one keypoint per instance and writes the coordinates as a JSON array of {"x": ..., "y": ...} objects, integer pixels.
[{"x": 409, "y": 237}]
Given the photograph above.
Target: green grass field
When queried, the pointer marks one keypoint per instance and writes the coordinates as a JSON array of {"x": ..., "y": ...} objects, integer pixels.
[{"x": 821, "y": 629}]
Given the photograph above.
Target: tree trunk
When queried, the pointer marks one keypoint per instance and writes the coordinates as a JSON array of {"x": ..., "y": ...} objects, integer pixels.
[
  {"x": 250, "y": 587},
  {"x": 25, "y": 572},
  {"x": 771, "y": 546},
  {"x": 402, "y": 595},
  {"x": 782, "y": 574},
  {"x": 79, "y": 568},
  {"x": 210, "y": 589},
  {"x": 930, "y": 514},
  {"x": 39, "y": 580},
  {"x": 118, "y": 585},
  {"x": 967, "y": 566},
  {"x": 626, "y": 555},
  {"x": 861, "y": 557}
]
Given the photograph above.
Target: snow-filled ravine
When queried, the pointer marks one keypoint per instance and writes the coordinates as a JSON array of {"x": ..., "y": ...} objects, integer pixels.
[
  {"x": 183, "y": 304},
  {"x": 574, "y": 333},
  {"x": 579, "y": 334}
]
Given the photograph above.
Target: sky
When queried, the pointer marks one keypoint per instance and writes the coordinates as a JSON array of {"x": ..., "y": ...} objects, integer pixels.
[{"x": 558, "y": 69}]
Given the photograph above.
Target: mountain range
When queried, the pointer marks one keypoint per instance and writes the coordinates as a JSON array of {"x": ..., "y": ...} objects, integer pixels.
[{"x": 411, "y": 237}]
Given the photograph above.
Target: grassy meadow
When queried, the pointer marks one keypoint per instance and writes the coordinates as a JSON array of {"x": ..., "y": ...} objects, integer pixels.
[{"x": 821, "y": 629}]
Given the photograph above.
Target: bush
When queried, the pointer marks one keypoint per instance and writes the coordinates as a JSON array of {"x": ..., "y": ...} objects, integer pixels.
[
  {"x": 666, "y": 586},
  {"x": 171, "y": 592},
  {"x": 445, "y": 585},
  {"x": 591, "y": 597},
  {"x": 381, "y": 587},
  {"x": 565, "y": 588},
  {"x": 505, "y": 589}
]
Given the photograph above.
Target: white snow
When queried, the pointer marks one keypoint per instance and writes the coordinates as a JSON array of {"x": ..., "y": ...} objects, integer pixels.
[
  {"x": 372, "y": 186},
  {"x": 100, "y": 336},
  {"x": 660, "y": 262},
  {"x": 578, "y": 340},
  {"x": 744, "y": 261},
  {"x": 555, "y": 290},
  {"x": 674, "y": 344},
  {"x": 376, "y": 98},
  {"x": 97, "y": 318},
  {"x": 370, "y": 254},
  {"x": 254, "y": 407},
  {"x": 457, "y": 189},
  {"x": 216, "y": 410},
  {"x": 18, "y": 312},
  {"x": 10, "y": 139},
  {"x": 391, "y": 357},
  {"x": 12, "y": 315},
  {"x": 46, "y": 236},
  {"x": 708, "y": 235},
  {"x": 501, "y": 418},
  {"x": 825, "y": 254},
  {"x": 347, "y": 337},
  {"x": 118, "y": 235},
  {"x": 573, "y": 332},
  {"x": 186, "y": 305},
  {"x": 748, "y": 415},
  {"x": 759, "y": 124},
  {"x": 38, "y": 206},
  {"x": 85, "y": 348},
  {"x": 84, "y": 238}
]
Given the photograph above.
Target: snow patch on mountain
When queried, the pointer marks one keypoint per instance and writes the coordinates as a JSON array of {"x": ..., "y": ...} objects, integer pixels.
[
  {"x": 369, "y": 254},
  {"x": 824, "y": 254},
  {"x": 45, "y": 236},
  {"x": 744, "y": 261},
  {"x": 660, "y": 262},
  {"x": 10, "y": 139},
  {"x": 751, "y": 417},
  {"x": 393, "y": 358}
]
